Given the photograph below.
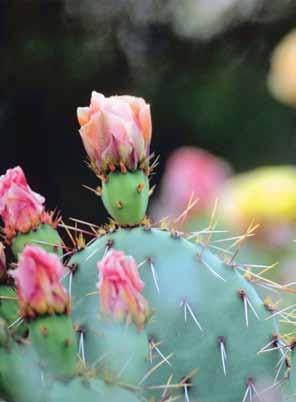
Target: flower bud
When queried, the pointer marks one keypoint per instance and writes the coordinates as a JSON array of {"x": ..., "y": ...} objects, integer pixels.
[
  {"x": 21, "y": 208},
  {"x": 120, "y": 288},
  {"x": 116, "y": 132},
  {"x": 38, "y": 284}
]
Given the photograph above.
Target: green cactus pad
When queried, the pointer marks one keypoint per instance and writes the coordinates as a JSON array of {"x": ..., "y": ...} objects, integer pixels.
[
  {"x": 20, "y": 375},
  {"x": 54, "y": 340},
  {"x": 209, "y": 323},
  {"x": 45, "y": 236},
  {"x": 125, "y": 196},
  {"x": 80, "y": 390},
  {"x": 9, "y": 308}
]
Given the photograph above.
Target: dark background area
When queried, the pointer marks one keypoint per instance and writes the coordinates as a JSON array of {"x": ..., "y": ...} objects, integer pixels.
[{"x": 209, "y": 93}]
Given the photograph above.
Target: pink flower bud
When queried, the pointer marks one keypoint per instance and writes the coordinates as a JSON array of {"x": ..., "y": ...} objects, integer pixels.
[
  {"x": 191, "y": 172},
  {"x": 115, "y": 131},
  {"x": 20, "y": 208},
  {"x": 38, "y": 284},
  {"x": 120, "y": 288}
]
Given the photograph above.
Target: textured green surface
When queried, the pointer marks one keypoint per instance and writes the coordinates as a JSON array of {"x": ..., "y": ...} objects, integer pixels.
[
  {"x": 121, "y": 198},
  {"x": 45, "y": 236},
  {"x": 80, "y": 390},
  {"x": 186, "y": 274},
  {"x": 9, "y": 309},
  {"x": 20, "y": 376},
  {"x": 54, "y": 340}
]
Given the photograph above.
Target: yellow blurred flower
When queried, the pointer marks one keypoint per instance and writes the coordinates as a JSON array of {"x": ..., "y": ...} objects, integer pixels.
[
  {"x": 266, "y": 195},
  {"x": 282, "y": 75}
]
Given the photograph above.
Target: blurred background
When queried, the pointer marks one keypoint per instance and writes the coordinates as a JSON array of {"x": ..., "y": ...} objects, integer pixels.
[{"x": 208, "y": 68}]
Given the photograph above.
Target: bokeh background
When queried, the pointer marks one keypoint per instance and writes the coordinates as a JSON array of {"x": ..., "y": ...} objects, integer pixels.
[{"x": 201, "y": 64}]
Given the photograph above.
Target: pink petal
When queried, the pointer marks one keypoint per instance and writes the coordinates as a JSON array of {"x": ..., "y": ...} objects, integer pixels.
[{"x": 83, "y": 115}]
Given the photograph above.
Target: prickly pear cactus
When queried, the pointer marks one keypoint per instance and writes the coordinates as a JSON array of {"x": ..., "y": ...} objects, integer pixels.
[{"x": 139, "y": 311}]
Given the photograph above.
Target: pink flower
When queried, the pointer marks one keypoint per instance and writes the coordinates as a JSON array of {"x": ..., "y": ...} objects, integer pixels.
[
  {"x": 120, "y": 288},
  {"x": 191, "y": 172},
  {"x": 115, "y": 131},
  {"x": 20, "y": 208},
  {"x": 38, "y": 284}
]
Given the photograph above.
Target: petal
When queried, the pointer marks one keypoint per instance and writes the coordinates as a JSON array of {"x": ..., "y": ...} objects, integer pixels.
[
  {"x": 146, "y": 124},
  {"x": 119, "y": 108},
  {"x": 94, "y": 136},
  {"x": 117, "y": 128},
  {"x": 83, "y": 115},
  {"x": 97, "y": 102}
]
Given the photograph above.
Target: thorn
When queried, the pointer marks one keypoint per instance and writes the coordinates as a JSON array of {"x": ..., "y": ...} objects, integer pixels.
[
  {"x": 221, "y": 342},
  {"x": 204, "y": 232},
  {"x": 280, "y": 312},
  {"x": 186, "y": 393},
  {"x": 211, "y": 269},
  {"x": 274, "y": 341},
  {"x": 81, "y": 350},
  {"x": 69, "y": 234},
  {"x": 264, "y": 282},
  {"x": 91, "y": 225},
  {"x": 154, "y": 274},
  {"x": 154, "y": 368},
  {"x": 186, "y": 307},
  {"x": 70, "y": 284},
  {"x": 152, "y": 346},
  {"x": 125, "y": 366},
  {"x": 141, "y": 263},
  {"x": 165, "y": 391},
  {"x": 273, "y": 386},
  {"x": 151, "y": 191},
  {"x": 280, "y": 365},
  {"x": 49, "y": 244},
  {"x": 93, "y": 253},
  {"x": 190, "y": 205},
  {"x": 250, "y": 391},
  {"x": 16, "y": 323},
  {"x": 100, "y": 359},
  {"x": 68, "y": 228},
  {"x": 97, "y": 191},
  {"x": 243, "y": 296}
]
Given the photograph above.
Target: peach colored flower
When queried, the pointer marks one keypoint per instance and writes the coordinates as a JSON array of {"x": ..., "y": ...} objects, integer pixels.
[
  {"x": 282, "y": 74},
  {"x": 37, "y": 279},
  {"x": 120, "y": 288},
  {"x": 20, "y": 208},
  {"x": 191, "y": 172},
  {"x": 115, "y": 131}
]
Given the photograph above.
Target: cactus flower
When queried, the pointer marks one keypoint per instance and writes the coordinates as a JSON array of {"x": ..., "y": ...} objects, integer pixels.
[
  {"x": 38, "y": 284},
  {"x": 116, "y": 132},
  {"x": 282, "y": 76},
  {"x": 191, "y": 172},
  {"x": 267, "y": 196},
  {"x": 21, "y": 208},
  {"x": 120, "y": 288}
]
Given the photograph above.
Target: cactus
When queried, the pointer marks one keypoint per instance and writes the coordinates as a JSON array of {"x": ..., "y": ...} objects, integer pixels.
[{"x": 148, "y": 313}]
